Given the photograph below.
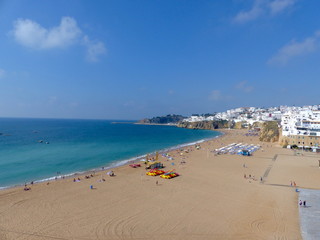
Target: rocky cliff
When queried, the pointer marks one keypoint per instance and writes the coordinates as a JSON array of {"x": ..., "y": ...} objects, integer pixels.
[
  {"x": 209, "y": 125},
  {"x": 269, "y": 132}
]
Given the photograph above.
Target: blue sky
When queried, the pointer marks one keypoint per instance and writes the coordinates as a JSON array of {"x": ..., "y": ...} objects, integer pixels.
[{"x": 130, "y": 59}]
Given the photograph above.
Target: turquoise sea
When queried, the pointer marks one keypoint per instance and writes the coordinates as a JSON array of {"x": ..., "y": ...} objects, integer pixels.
[{"x": 71, "y": 146}]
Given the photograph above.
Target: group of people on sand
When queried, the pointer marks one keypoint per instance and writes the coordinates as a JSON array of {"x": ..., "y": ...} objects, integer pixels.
[
  {"x": 293, "y": 184},
  {"x": 88, "y": 176},
  {"x": 26, "y": 188},
  {"x": 249, "y": 177}
]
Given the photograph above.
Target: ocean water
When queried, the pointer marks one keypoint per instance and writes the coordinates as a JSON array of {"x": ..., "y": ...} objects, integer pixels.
[{"x": 79, "y": 145}]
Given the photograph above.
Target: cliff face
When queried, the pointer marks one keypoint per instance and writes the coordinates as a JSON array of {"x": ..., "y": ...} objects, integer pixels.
[
  {"x": 269, "y": 132},
  {"x": 209, "y": 125}
]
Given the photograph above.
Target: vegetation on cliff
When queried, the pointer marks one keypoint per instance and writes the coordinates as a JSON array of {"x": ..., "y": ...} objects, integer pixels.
[
  {"x": 269, "y": 132},
  {"x": 171, "y": 118}
]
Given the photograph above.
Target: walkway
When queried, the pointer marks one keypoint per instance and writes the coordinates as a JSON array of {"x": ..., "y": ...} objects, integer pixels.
[{"x": 310, "y": 215}]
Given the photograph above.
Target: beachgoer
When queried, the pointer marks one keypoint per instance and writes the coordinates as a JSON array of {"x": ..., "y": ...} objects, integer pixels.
[
  {"x": 294, "y": 183},
  {"x": 261, "y": 179},
  {"x": 156, "y": 182},
  {"x": 245, "y": 176},
  {"x": 304, "y": 203},
  {"x": 300, "y": 202},
  {"x": 291, "y": 183},
  {"x": 91, "y": 186}
]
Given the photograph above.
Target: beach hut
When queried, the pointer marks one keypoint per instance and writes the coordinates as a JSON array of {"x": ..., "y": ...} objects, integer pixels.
[{"x": 245, "y": 152}]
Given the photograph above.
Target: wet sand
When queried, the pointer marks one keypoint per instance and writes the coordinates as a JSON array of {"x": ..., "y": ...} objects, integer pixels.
[{"x": 210, "y": 200}]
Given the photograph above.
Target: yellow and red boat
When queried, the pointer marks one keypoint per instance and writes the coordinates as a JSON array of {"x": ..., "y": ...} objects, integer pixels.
[
  {"x": 169, "y": 175},
  {"x": 155, "y": 172}
]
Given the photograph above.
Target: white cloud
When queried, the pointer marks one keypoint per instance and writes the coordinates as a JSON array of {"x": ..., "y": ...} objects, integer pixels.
[
  {"x": 243, "y": 86},
  {"x": 2, "y": 73},
  {"x": 295, "y": 49},
  {"x": 261, "y": 7},
  {"x": 278, "y": 6},
  {"x": 94, "y": 49},
  {"x": 31, "y": 34}
]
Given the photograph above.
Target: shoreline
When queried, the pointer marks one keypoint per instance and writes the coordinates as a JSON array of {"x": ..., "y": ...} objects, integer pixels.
[{"x": 114, "y": 164}]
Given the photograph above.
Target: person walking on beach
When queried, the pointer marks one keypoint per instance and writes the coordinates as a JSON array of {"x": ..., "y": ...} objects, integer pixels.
[
  {"x": 157, "y": 183},
  {"x": 304, "y": 203},
  {"x": 300, "y": 203}
]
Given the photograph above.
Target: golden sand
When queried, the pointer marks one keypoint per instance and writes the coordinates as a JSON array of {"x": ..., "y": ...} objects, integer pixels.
[{"x": 210, "y": 200}]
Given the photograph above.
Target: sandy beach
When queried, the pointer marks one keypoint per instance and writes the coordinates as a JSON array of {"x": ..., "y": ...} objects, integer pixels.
[{"x": 211, "y": 199}]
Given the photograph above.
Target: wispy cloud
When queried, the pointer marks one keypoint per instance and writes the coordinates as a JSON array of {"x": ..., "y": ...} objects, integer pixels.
[
  {"x": 94, "y": 49},
  {"x": 73, "y": 104},
  {"x": 216, "y": 95},
  {"x": 295, "y": 49},
  {"x": 129, "y": 104},
  {"x": 244, "y": 86},
  {"x": 278, "y": 6},
  {"x": 2, "y": 73},
  {"x": 31, "y": 34},
  {"x": 253, "y": 13},
  {"x": 170, "y": 92},
  {"x": 261, "y": 7},
  {"x": 52, "y": 100}
]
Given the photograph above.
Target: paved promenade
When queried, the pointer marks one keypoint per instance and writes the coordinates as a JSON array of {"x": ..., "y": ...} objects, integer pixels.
[{"x": 310, "y": 215}]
